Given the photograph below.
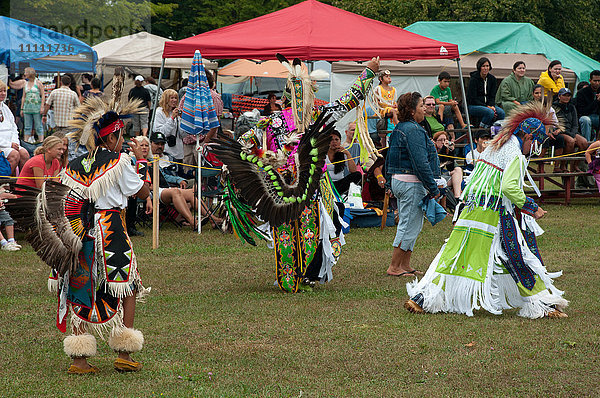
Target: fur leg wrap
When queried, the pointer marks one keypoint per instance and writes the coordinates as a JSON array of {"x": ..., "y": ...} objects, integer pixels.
[
  {"x": 126, "y": 340},
  {"x": 82, "y": 345}
]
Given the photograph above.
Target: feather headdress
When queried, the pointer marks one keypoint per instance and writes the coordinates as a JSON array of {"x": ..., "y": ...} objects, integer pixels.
[
  {"x": 86, "y": 117},
  {"x": 517, "y": 121},
  {"x": 300, "y": 91}
]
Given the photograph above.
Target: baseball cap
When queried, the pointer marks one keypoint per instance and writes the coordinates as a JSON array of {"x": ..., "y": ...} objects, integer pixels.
[
  {"x": 139, "y": 78},
  {"x": 158, "y": 137},
  {"x": 564, "y": 91}
]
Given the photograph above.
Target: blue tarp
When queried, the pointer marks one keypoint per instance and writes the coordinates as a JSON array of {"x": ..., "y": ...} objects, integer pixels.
[{"x": 23, "y": 44}]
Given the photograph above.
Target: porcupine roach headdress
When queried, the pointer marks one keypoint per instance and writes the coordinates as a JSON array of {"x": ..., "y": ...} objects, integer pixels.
[
  {"x": 530, "y": 118},
  {"x": 96, "y": 117}
]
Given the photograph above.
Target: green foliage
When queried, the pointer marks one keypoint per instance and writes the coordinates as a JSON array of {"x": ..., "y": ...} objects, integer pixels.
[{"x": 91, "y": 21}]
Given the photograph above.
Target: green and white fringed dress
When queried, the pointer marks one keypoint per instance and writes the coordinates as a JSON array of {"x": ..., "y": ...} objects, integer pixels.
[{"x": 491, "y": 259}]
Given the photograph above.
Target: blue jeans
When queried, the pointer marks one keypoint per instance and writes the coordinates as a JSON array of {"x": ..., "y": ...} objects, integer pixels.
[
  {"x": 485, "y": 114},
  {"x": 33, "y": 120},
  {"x": 409, "y": 196},
  {"x": 586, "y": 123}
]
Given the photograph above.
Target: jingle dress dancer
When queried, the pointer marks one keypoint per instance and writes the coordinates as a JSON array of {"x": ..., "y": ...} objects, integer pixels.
[
  {"x": 491, "y": 259},
  {"x": 77, "y": 228}
]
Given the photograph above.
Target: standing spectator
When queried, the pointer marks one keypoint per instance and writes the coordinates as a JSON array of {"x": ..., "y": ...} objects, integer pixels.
[
  {"x": 566, "y": 112},
  {"x": 74, "y": 87},
  {"x": 140, "y": 121},
  {"x": 63, "y": 102},
  {"x": 9, "y": 135},
  {"x": 154, "y": 90},
  {"x": 183, "y": 88},
  {"x": 32, "y": 107},
  {"x": 86, "y": 85},
  {"x": 94, "y": 90},
  {"x": 386, "y": 96},
  {"x": 446, "y": 105},
  {"x": 481, "y": 94},
  {"x": 44, "y": 164},
  {"x": 167, "y": 122},
  {"x": 216, "y": 97},
  {"x": 272, "y": 105},
  {"x": 16, "y": 83},
  {"x": 516, "y": 89},
  {"x": 588, "y": 106},
  {"x": 552, "y": 80},
  {"x": 413, "y": 165}
]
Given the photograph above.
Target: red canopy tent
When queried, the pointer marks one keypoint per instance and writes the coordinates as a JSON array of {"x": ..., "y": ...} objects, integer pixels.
[{"x": 311, "y": 31}]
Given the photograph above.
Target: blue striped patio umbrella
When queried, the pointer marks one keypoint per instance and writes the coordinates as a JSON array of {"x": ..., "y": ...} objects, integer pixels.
[{"x": 198, "y": 115}]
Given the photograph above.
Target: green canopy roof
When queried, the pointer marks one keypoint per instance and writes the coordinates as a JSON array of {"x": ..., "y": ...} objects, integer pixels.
[{"x": 506, "y": 37}]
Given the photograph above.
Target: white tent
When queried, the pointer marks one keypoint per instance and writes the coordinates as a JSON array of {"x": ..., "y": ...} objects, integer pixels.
[{"x": 141, "y": 49}]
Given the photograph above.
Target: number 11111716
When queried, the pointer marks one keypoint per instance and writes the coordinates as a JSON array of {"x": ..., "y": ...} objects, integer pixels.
[{"x": 41, "y": 48}]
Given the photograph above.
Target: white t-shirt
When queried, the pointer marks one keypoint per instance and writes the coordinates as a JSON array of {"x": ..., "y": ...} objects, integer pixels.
[
  {"x": 8, "y": 129},
  {"x": 116, "y": 195},
  {"x": 330, "y": 169},
  {"x": 469, "y": 156}
]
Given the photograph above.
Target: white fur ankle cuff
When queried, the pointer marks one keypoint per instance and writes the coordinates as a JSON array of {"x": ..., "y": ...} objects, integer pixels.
[
  {"x": 126, "y": 340},
  {"x": 82, "y": 345}
]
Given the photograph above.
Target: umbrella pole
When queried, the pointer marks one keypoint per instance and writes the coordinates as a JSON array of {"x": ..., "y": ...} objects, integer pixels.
[
  {"x": 462, "y": 90},
  {"x": 199, "y": 184},
  {"x": 155, "y": 201},
  {"x": 151, "y": 127}
]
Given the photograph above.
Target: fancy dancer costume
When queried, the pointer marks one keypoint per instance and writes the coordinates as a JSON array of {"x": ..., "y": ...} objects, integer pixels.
[
  {"x": 491, "y": 259},
  {"x": 275, "y": 174},
  {"x": 77, "y": 228}
]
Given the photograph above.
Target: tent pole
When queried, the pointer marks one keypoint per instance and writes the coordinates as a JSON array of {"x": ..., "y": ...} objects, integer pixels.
[
  {"x": 464, "y": 96},
  {"x": 151, "y": 127}
]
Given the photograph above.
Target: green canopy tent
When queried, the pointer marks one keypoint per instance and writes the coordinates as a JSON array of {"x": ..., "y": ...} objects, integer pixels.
[{"x": 506, "y": 37}]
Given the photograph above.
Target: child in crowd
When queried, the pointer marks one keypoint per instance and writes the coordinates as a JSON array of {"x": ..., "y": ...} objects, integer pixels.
[
  {"x": 9, "y": 244},
  {"x": 386, "y": 96},
  {"x": 446, "y": 105},
  {"x": 593, "y": 161}
]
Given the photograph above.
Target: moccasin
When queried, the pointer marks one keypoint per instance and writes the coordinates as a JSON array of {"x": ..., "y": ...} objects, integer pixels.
[{"x": 123, "y": 365}]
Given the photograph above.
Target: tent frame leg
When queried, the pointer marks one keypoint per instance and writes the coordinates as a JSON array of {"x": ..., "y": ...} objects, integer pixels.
[
  {"x": 154, "y": 103},
  {"x": 464, "y": 96}
]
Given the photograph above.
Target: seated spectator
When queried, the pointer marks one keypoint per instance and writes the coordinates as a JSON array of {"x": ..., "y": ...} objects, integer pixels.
[
  {"x": 581, "y": 85},
  {"x": 340, "y": 165},
  {"x": 181, "y": 198},
  {"x": 374, "y": 187},
  {"x": 432, "y": 122},
  {"x": 481, "y": 94},
  {"x": 94, "y": 90},
  {"x": 9, "y": 243},
  {"x": 566, "y": 111},
  {"x": 9, "y": 135},
  {"x": 45, "y": 163},
  {"x": 482, "y": 140},
  {"x": 593, "y": 161},
  {"x": 588, "y": 106},
  {"x": 449, "y": 171},
  {"x": 167, "y": 119},
  {"x": 516, "y": 89},
  {"x": 446, "y": 105},
  {"x": 272, "y": 105},
  {"x": 386, "y": 97},
  {"x": 552, "y": 80}
]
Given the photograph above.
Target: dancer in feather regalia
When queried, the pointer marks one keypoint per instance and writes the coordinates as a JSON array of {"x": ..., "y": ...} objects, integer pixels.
[
  {"x": 491, "y": 259},
  {"x": 77, "y": 228},
  {"x": 275, "y": 175}
]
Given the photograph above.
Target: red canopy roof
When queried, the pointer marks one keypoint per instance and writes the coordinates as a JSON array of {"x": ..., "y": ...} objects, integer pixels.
[{"x": 311, "y": 31}]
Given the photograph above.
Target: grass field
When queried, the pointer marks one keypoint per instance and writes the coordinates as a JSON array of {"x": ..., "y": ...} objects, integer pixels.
[{"x": 215, "y": 326}]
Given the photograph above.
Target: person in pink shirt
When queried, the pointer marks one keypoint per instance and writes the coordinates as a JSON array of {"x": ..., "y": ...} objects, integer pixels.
[{"x": 44, "y": 164}]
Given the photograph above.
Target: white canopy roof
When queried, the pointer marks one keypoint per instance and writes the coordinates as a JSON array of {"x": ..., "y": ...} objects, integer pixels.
[{"x": 142, "y": 50}]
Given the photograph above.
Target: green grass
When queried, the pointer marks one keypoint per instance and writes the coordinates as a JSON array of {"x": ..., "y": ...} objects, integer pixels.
[{"x": 215, "y": 326}]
